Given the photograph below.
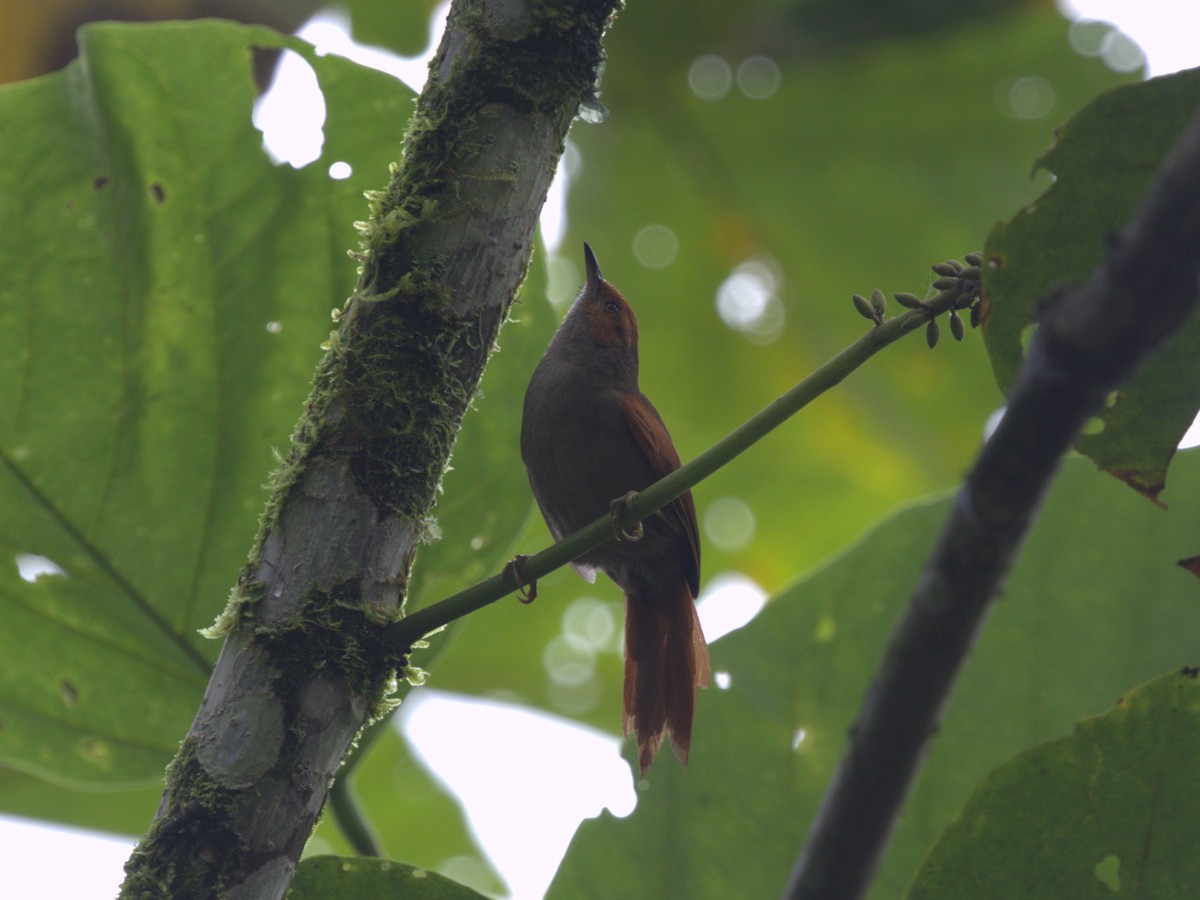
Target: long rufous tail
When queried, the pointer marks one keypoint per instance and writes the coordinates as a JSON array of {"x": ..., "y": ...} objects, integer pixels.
[{"x": 666, "y": 659}]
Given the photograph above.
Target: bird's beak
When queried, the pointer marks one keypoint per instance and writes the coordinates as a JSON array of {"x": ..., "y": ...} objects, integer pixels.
[{"x": 594, "y": 278}]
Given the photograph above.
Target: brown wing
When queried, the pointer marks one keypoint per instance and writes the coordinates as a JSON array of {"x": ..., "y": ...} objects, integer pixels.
[{"x": 648, "y": 429}]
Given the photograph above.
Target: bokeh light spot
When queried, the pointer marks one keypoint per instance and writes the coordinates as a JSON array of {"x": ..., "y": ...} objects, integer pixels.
[
  {"x": 569, "y": 660},
  {"x": 758, "y": 77},
  {"x": 729, "y": 523},
  {"x": 748, "y": 300},
  {"x": 1087, "y": 36},
  {"x": 1027, "y": 97},
  {"x": 592, "y": 621},
  {"x": 1121, "y": 53},
  {"x": 655, "y": 246},
  {"x": 710, "y": 77}
]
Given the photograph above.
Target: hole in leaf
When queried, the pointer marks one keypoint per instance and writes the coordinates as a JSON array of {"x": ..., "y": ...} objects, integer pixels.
[
  {"x": 291, "y": 114},
  {"x": 1026, "y": 337},
  {"x": 31, "y": 567},
  {"x": 70, "y": 694},
  {"x": 1108, "y": 872},
  {"x": 95, "y": 751}
]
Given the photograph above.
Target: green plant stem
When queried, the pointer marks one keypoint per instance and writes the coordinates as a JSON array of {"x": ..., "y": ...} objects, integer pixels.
[
  {"x": 402, "y": 633},
  {"x": 345, "y": 810},
  {"x": 351, "y": 820}
]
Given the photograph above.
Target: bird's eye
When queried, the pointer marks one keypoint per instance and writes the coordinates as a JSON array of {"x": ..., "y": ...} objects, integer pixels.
[{"x": 612, "y": 306}]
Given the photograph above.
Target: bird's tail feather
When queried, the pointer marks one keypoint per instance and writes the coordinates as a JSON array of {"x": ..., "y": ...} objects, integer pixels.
[{"x": 666, "y": 659}]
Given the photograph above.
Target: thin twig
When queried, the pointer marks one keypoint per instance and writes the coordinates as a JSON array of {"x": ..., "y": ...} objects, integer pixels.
[
  {"x": 402, "y": 633},
  {"x": 352, "y": 820}
]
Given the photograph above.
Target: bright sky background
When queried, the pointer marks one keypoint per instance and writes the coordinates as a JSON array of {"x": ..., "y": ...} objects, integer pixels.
[{"x": 525, "y": 827}]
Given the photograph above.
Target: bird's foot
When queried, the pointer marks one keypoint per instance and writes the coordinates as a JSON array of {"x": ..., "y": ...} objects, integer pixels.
[
  {"x": 526, "y": 591},
  {"x": 619, "y": 508}
]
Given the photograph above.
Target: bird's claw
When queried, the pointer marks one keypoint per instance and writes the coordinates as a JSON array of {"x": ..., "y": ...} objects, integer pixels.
[
  {"x": 619, "y": 507},
  {"x": 526, "y": 591}
]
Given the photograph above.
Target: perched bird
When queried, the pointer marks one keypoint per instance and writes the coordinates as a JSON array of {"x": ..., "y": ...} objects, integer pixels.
[{"x": 589, "y": 437}]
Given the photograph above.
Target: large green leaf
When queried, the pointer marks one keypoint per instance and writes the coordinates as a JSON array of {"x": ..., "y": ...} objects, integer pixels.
[
  {"x": 1108, "y": 812},
  {"x": 86, "y": 652},
  {"x": 125, "y": 812},
  {"x": 1103, "y": 161},
  {"x": 321, "y": 877},
  {"x": 163, "y": 291},
  {"x": 1095, "y": 604}
]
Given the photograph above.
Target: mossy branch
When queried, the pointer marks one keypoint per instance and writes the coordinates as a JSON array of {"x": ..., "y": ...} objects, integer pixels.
[
  {"x": 401, "y": 634},
  {"x": 445, "y": 248}
]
